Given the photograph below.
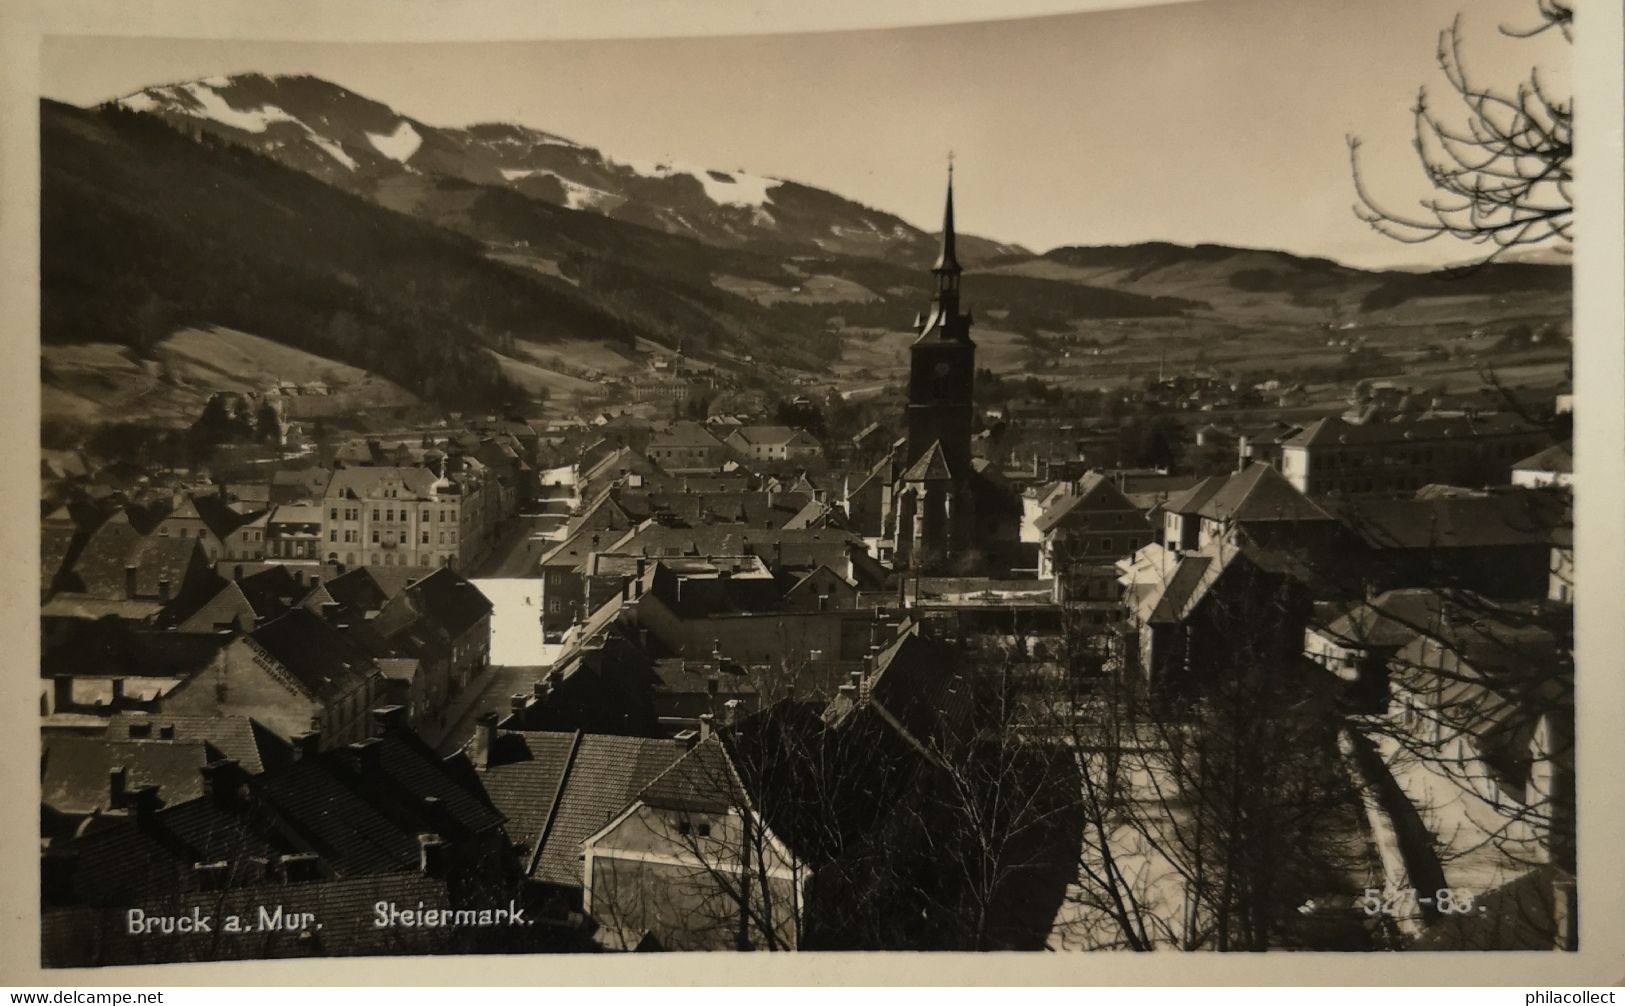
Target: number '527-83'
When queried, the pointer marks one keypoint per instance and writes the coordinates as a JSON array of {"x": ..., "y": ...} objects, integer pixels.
[{"x": 1406, "y": 901}]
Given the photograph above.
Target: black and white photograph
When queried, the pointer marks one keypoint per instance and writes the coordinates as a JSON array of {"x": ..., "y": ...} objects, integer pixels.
[{"x": 1098, "y": 480}]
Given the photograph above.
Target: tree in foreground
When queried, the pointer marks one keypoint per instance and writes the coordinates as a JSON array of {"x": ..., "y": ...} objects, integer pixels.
[{"x": 1497, "y": 160}]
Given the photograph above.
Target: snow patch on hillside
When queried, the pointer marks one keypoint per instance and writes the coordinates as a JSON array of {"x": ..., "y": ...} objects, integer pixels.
[
  {"x": 333, "y": 149},
  {"x": 576, "y": 195},
  {"x": 216, "y": 81},
  {"x": 399, "y": 145},
  {"x": 210, "y": 105},
  {"x": 725, "y": 188},
  {"x": 140, "y": 101}
]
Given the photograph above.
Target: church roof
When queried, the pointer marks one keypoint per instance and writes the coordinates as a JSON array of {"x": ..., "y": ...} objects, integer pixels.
[{"x": 932, "y": 466}]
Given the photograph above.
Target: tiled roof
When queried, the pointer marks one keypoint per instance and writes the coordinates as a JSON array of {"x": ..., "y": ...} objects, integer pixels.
[
  {"x": 771, "y": 436},
  {"x": 76, "y": 773},
  {"x": 1190, "y": 500},
  {"x": 605, "y": 777},
  {"x": 261, "y": 595},
  {"x": 1260, "y": 493},
  {"x": 1556, "y": 458},
  {"x": 451, "y": 601},
  {"x": 684, "y": 434},
  {"x": 99, "y": 571},
  {"x": 1511, "y": 518},
  {"x": 1094, "y": 493},
  {"x": 704, "y": 779},
  {"x": 318, "y": 655},
  {"x": 239, "y": 738},
  {"x": 524, "y": 778}
]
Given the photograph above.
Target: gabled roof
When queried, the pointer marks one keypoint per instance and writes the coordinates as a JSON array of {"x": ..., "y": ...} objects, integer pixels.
[
  {"x": 1260, "y": 493},
  {"x": 703, "y": 780},
  {"x": 932, "y": 466},
  {"x": 262, "y": 595},
  {"x": 773, "y": 436},
  {"x": 453, "y": 603},
  {"x": 1556, "y": 458},
  {"x": 100, "y": 569},
  {"x": 684, "y": 433},
  {"x": 213, "y": 511},
  {"x": 606, "y": 774},
  {"x": 320, "y": 657},
  {"x": 1191, "y": 500},
  {"x": 1095, "y": 493}
]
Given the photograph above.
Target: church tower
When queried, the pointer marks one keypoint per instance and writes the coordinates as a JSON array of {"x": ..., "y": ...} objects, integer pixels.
[
  {"x": 932, "y": 496},
  {"x": 942, "y": 364}
]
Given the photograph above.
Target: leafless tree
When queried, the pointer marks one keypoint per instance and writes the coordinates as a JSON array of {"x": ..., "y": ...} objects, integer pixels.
[{"x": 1498, "y": 167}]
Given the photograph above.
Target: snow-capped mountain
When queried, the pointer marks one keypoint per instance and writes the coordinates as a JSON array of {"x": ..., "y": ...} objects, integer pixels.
[{"x": 352, "y": 141}]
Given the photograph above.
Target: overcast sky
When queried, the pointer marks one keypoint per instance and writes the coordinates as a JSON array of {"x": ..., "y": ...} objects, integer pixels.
[{"x": 1221, "y": 121}]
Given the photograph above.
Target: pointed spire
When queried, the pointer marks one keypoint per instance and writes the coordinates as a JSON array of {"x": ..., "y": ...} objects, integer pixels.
[{"x": 947, "y": 261}]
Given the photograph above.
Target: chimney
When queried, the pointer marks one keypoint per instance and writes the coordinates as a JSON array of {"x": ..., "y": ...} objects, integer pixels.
[
  {"x": 540, "y": 688},
  {"x": 730, "y": 712},
  {"x": 118, "y": 693},
  {"x": 299, "y": 867},
  {"x": 431, "y": 855},
  {"x": 143, "y": 800},
  {"x": 712, "y": 687},
  {"x": 388, "y": 719},
  {"x": 688, "y": 738},
  {"x": 516, "y": 702},
  {"x": 129, "y": 583},
  {"x": 117, "y": 778},
  {"x": 330, "y": 611},
  {"x": 163, "y": 589},
  {"x": 306, "y": 745},
  {"x": 221, "y": 780},
  {"x": 485, "y": 740},
  {"x": 706, "y": 720},
  {"x": 364, "y": 753},
  {"x": 849, "y": 693}
]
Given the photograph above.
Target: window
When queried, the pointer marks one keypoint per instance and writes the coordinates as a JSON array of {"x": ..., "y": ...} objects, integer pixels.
[
  {"x": 425, "y": 515},
  {"x": 333, "y": 535},
  {"x": 374, "y": 513},
  {"x": 389, "y": 515},
  {"x": 425, "y": 537},
  {"x": 375, "y": 536}
]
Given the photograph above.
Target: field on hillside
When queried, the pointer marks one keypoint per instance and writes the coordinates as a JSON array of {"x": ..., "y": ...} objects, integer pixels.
[{"x": 88, "y": 383}]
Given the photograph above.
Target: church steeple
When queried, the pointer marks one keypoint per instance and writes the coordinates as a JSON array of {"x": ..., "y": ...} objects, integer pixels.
[
  {"x": 947, "y": 261},
  {"x": 943, "y": 320}
]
